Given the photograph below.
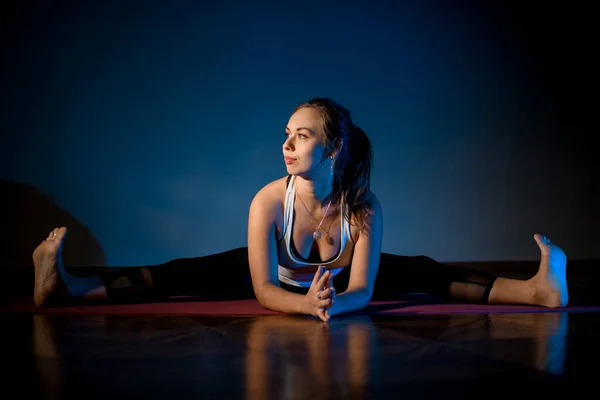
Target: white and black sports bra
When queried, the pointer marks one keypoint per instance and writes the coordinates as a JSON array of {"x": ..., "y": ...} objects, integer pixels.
[{"x": 287, "y": 274}]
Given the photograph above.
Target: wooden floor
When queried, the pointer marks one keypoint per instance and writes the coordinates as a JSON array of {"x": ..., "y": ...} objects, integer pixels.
[{"x": 292, "y": 357}]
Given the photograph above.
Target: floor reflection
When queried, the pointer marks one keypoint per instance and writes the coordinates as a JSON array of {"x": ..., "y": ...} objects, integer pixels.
[
  {"x": 537, "y": 341},
  {"x": 280, "y": 357},
  {"x": 287, "y": 355}
]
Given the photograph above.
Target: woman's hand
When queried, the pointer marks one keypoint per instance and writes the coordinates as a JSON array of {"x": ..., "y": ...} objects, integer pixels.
[
  {"x": 321, "y": 294},
  {"x": 328, "y": 292}
]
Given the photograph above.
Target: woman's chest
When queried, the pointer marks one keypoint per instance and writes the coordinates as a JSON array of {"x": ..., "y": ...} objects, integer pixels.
[{"x": 333, "y": 247}]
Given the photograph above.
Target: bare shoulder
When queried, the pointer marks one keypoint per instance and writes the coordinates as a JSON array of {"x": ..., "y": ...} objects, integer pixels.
[
  {"x": 368, "y": 218},
  {"x": 373, "y": 205},
  {"x": 269, "y": 199}
]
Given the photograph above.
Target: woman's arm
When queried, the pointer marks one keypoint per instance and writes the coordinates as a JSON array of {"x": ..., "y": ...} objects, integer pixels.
[
  {"x": 365, "y": 263},
  {"x": 262, "y": 256}
]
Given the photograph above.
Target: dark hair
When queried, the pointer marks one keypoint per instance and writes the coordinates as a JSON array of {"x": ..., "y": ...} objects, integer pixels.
[{"x": 352, "y": 168}]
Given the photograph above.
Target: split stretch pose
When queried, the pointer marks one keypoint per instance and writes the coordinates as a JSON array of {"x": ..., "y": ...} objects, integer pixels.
[{"x": 318, "y": 222}]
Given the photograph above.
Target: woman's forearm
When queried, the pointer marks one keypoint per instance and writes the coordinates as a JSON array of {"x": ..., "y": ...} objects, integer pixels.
[
  {"x": 350, "y": 300},
  {"x": 274, "y": 298}
]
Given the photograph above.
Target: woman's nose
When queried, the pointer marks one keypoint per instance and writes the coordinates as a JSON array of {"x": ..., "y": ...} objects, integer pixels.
[{"x": 288, "y": 144}]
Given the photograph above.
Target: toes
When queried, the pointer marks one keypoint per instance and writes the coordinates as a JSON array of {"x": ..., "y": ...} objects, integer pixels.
[
  {"x": 60, "y": 233},
  {"x": 542, "y": 239},
  {"x": 56, "y": 234},
  {"x": 545, "y": 239},
  {"x": 543, "y": 242}
]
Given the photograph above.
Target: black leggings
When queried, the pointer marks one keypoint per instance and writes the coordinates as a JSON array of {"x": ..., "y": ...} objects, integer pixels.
[{"x": 226, "y": 276}]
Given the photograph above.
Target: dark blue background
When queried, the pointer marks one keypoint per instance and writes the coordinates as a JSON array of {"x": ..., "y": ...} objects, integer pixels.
[{"x": 154, "y": 123}]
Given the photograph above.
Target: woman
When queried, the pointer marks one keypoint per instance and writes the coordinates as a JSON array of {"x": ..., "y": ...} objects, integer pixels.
[{"x": 318, "y": 222}]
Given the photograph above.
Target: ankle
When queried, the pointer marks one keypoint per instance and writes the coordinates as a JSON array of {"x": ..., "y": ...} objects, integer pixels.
[{"x": 544, "y": 295}]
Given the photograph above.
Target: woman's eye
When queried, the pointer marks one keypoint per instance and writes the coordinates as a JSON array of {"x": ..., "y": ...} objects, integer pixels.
[{"x": 299, "y": 135}]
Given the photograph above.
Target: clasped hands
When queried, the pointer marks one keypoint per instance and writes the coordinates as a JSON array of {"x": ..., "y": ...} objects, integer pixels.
[{"x": 321, "y": 294}]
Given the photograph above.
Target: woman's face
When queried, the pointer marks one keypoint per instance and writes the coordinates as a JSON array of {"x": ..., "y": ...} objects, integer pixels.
[{"x": 302, "y": 149}]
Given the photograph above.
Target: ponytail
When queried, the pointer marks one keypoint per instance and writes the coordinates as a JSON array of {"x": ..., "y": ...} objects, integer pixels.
[{"x": 352, "y": 174}]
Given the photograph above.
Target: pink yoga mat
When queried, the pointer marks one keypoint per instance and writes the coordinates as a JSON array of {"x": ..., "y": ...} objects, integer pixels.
[{"x": 251, "y": 307}]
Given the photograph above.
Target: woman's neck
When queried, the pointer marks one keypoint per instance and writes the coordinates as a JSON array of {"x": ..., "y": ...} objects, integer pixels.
[{"x": 314, "y": 191}]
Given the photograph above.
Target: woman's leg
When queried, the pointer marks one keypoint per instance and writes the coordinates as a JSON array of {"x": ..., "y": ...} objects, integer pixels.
[
  {"x": 213, "y": 277},
  {"x": 401, "y": 275}
]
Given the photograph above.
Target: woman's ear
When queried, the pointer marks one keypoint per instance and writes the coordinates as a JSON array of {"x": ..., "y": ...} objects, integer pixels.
[{"x": 339, "y": 143}]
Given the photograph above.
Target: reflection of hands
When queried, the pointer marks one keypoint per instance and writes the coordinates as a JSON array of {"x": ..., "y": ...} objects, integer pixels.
[
  {"x": 322, "y": 346},
  {"x": 321, "y": 294}
]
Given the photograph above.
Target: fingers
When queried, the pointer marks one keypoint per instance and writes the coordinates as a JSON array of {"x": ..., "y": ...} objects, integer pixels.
[
  {"x": 323, "y": 279},
  {"x": 328, "y": 289},
  {"x": 326, "y": 303},
  {"x": 318, "y": 276},
  {"x": 326, "y": 298},
  {"x": 327, "y": 293},
  {"x": 323, "y": 315}
]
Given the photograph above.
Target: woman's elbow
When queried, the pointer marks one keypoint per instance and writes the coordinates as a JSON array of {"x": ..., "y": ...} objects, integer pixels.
[
  {"x": 261, "y": 292},
  {"x": 365, "y": 299},
  {"x": 363, "y": 294}
]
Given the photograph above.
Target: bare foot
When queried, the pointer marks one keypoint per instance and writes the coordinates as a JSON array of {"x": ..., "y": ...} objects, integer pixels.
[
  {"x": 550, "y": 281},
  {"x": 46, "y": 259}
]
